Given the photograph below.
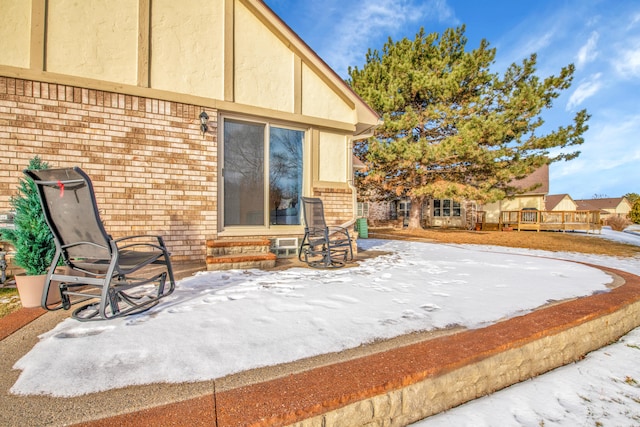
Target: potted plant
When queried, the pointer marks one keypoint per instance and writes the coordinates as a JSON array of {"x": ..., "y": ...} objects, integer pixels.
[{"x": 31, "y": 238}]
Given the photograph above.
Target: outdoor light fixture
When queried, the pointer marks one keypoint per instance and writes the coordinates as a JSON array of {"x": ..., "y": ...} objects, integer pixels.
[{"x": 203, "y": 122}]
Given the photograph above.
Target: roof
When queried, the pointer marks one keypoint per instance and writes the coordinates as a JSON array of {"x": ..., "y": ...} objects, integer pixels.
[
  {"x": 358, "y": 164},
  {"x": 554, "y": 199},
  {"x": 539, "y": 176},
  {"x": 600, "y": 204}
]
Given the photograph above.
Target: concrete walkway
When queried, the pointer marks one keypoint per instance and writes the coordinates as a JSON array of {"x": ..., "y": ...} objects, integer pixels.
[{"x": 393, "y": 383}]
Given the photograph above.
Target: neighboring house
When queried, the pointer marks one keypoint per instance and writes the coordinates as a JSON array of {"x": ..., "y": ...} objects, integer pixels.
[
  {"x": 608, "y": 207},
  {"x": 560, "y": 202},
  {"x": 533, "y": 199},
  {"x": 119, "y": 87},
  {"x": 466, "y": 213}
]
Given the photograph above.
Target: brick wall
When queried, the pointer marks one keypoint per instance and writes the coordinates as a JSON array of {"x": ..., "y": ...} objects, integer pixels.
[
  {"x": 153, "y": 170},
  {"x": 337, "y": 203}
]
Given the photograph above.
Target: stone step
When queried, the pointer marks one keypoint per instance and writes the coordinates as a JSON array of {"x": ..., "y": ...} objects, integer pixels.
[
  {"x": 239, "y": 254},
  {"x": 230, "y": 247},
  {"x": 241, "y": 261}
]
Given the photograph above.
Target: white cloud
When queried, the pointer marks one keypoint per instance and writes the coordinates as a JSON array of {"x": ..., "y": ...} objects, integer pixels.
[
  {"x": 627, "y": 62},
  {"x": 366, "y": 21},
  {"x": 634, "y": 20},
  {"x": 585, "y": 90},
  {"x": 588, "y": 52}
]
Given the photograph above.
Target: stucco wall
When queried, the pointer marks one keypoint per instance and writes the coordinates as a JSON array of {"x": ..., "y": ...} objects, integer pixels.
[
  {"x": 187, "y": 49},
  {"x": 318, "y": 100},
  {"x": 152, "y": 169},
  {"x": 517, "y": 203},
  {"x": 263, "y": 65},
  {"x": 333, "y": 158},
  {"x": 100, "y": 41},
  {"x": 565, "y": 204},
  {"x": 15, "y": 32}
]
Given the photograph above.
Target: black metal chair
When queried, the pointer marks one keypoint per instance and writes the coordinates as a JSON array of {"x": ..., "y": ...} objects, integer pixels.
[
  {"x": 322, "y": 246},
  {"x": 99, "y": 268}
]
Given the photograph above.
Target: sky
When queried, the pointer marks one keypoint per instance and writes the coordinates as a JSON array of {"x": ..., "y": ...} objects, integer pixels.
[
  {"x": 600, "y": 37},
  {"x": 297, "y": 313}
]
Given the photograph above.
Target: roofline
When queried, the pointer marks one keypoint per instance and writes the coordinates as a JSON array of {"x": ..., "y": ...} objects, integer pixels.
[{"x": 301, "y": 46}]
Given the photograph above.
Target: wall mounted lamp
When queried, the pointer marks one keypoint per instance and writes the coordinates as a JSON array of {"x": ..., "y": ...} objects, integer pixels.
[{"x": 204, "y": 118}]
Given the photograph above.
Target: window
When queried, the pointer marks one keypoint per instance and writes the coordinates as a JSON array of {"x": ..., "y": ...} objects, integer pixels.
[
  {"x": 446, "y": 207},
  {"x": 262, "y": 174},
  {"x": 404, "y": 209},
  {"x": 363, "y": 209}
]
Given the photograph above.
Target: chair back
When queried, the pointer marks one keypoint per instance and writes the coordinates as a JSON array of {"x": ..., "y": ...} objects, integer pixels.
[
  {"x": 313, "y": 212},
  {"x": 70, "y": 209}
]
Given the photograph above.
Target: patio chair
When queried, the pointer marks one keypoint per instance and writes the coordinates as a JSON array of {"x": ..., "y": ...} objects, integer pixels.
[
  {"x": 322, "y": 246},
  {"x": 98, "y": 267}
]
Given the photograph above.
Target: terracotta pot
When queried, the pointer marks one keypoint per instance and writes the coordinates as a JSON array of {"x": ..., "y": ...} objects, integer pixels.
[{"x": 30, "y": 289}]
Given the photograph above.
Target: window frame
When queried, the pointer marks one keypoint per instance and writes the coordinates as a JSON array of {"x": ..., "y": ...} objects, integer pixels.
[{"x": 266, "y": 227}]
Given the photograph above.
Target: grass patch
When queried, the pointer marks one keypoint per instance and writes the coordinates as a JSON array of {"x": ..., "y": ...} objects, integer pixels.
[{"x": 548, "y": 241}]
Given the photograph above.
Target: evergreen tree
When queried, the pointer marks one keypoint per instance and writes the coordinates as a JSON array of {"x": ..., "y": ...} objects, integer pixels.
[
  {"x": 634, "y": 214},
  {"x": 452, "y": 129},
  {"x": 632, "y": 197},
  {"x": 31, "y": 237}
]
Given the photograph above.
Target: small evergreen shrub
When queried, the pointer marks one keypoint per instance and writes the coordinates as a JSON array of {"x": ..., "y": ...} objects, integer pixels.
[{"x": 31, "y": 236}]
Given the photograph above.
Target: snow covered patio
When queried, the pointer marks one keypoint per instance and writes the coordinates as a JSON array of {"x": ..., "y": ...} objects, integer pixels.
[{"x": 424, "y": 318}]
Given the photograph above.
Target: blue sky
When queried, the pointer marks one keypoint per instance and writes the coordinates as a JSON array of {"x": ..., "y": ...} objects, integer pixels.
[{"x": 601, "y": 37}]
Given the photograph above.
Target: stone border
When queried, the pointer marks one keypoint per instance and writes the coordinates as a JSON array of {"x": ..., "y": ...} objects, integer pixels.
[{"x": 554, "y": 347}]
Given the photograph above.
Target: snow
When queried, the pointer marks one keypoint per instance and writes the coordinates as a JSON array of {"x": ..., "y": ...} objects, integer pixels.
[{"x": 219, "y": 323}]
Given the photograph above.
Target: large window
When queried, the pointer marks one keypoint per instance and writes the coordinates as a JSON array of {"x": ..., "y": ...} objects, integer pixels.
[
  {"x": 446, "y": 207},
  {"x": 251, "y": 196}
]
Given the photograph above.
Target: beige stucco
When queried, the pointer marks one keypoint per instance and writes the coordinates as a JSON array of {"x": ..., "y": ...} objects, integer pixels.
[
  {"x": 263, "y": 65},
  {"x": 229, "y": 55},
  {"x": 332, "y": 158},
  {"x": 622, "y": 209},
  {"x": 187, "y": 49},
  {"x": 566, "y": 204},
  {"x": 15, "y": 32},
  {"x": 319, "y": 100},
  {"x": 97, "y": 40},
  {"x": 492, "y": 210}
]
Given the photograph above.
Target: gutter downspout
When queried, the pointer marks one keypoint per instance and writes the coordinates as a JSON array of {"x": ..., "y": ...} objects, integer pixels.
[{"x": 354, "y": 201}]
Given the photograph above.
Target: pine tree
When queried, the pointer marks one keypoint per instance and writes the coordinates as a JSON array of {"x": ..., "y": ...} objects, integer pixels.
[
  {"x": 452, "y": 128},
  {"x": 634, "y": 214}
]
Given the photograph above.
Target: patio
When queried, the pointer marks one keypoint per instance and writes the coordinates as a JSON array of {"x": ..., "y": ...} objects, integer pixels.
[{"x": 377, "y": 375}]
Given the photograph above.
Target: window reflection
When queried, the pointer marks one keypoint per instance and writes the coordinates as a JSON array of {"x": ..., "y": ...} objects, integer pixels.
[
  {"x": 243, "y": 173},
  {"x": 285, "y": 175},
  {"x": 245, "y": 183}
]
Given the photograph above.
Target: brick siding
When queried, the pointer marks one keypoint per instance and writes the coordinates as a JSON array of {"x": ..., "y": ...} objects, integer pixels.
[
  {"x": 153, "y": 170},
  {"x": 337, "y": 203}
]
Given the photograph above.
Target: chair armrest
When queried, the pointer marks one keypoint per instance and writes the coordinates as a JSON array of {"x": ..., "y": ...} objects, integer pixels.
[
  {"x": 158, "y": 244},
  {"x": 338, "y": 230}
]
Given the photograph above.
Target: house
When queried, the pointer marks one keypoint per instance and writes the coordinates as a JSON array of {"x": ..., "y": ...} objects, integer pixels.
[
  {"x": 532, "y": 199},
  {"x": 450, "y": 213},
  {"x": 196, "y": 120},
  {"x": 608, "y": 207},
  {"x": 560, "y": 202}
]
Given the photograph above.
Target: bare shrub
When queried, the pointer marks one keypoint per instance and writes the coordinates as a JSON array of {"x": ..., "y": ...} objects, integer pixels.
[{"x": 618, "y": 223}]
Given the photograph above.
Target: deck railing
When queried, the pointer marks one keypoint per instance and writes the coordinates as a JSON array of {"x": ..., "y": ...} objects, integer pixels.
[{"x": 551, "y": 220}]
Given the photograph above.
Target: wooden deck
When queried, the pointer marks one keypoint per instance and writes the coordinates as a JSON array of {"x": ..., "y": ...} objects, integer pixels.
[{"x": 588, "y": 221}]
